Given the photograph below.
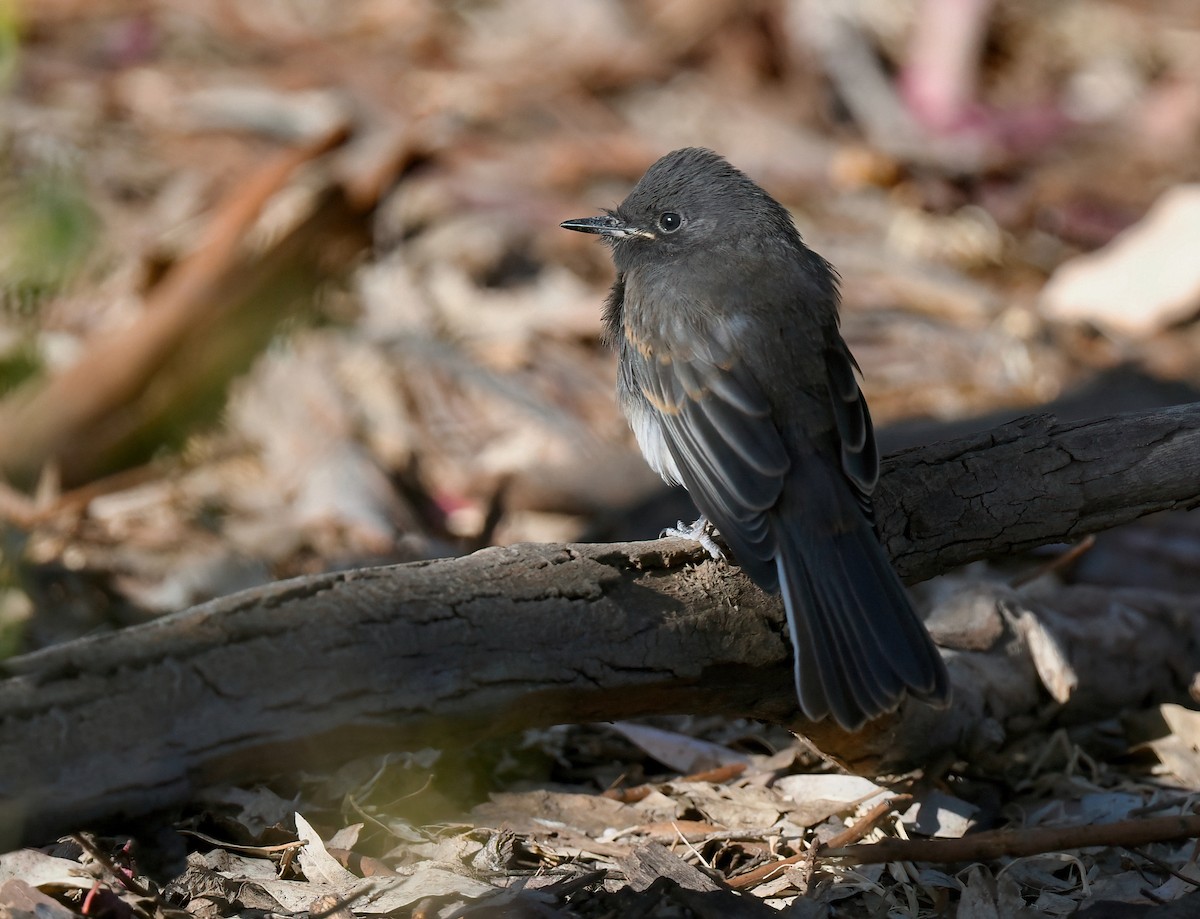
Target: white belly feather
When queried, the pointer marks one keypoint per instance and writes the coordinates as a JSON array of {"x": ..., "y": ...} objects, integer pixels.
[{"x": 647, "y": 428}]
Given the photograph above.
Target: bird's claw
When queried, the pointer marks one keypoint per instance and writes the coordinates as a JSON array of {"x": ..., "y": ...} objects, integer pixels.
[{"x": 696, "y": 532}]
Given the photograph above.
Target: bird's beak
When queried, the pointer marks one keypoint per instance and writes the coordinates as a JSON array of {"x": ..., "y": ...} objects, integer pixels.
[{"x": 605, "y": 225}]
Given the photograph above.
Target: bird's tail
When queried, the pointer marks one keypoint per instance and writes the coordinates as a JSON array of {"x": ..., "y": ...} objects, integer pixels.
[{"x": 859, "y": 644}]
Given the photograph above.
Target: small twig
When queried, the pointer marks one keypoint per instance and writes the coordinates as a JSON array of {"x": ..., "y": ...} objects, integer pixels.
[
  {"x": 717, "y": 776},
  {"x": 808, "y": 863},
  {"x": 1162, "y": 804},
  {"x": 265, "y": 851},
  {"x": 1059, "y": 561},
  {"x": 77, "y": 499},
  {"x": 1163, "y": 866},
  {"x": 126, "y": 879},
  {"x": 762, "y": 872},
  {"x": 866, "y": 822},
  {"x": 851, "y": 834},
  {"x": 691, "y": 848},
  {"x": 988, "y": 846},
  {"x": 368, "y": 818}
]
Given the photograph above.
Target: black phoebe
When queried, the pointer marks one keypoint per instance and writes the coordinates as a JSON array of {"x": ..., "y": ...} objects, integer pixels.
[{"x": 737, "y": 384}]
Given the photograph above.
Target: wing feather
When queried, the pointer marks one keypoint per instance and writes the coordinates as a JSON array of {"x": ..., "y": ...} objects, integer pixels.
[
  {"x": 730, "y": 455},
  {"x": 860, "y": 455}
]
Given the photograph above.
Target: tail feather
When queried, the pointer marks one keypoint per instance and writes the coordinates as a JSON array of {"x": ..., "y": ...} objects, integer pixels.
[
  {"x": 859, "y": 632},
  {"x": 818, "y": 687},
  {"x": 891, "y": 623},
  {"x": 859, "y": 644},
  {"x": 839, "y": 679}
]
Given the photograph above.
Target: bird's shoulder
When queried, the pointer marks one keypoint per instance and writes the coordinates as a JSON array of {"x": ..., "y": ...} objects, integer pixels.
[{"x": 771, "y": 314}]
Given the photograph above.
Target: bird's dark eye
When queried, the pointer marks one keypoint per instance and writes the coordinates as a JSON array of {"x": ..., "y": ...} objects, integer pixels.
[{"x": 670, "y": 222}]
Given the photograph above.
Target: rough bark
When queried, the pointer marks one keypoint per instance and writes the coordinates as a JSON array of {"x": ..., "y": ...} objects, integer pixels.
[
  {"x": 325, "y": 668},
  {"x": 1032, "y": 482}
]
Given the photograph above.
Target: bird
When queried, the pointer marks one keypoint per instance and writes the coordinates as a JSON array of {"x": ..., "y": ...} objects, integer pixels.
[{"x": 737, "y": 384}]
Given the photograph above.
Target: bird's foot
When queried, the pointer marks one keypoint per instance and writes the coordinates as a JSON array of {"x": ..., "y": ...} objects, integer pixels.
[{"x": 696, "y": 532}]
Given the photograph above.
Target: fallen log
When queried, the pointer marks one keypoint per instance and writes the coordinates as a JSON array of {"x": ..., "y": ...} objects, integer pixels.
[{"x": 321, "y": 669}]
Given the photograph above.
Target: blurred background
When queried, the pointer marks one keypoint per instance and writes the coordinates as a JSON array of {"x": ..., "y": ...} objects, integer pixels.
[{"x": 282, "y": 287}]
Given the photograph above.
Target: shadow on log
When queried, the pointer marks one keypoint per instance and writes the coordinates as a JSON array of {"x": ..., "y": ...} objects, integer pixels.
[{"x": 318, "y": 670}]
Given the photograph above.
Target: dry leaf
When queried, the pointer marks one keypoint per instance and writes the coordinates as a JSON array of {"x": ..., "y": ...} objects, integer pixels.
[{"x": 1143, "y": 281}]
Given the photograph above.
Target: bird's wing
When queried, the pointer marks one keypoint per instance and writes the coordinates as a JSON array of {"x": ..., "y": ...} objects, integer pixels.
[
  {"x": 731, "y": 458},
  {"x": 860, "y": 455}
]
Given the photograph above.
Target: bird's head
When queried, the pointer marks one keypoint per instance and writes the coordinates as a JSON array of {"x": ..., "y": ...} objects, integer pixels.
[{"x": 689, "y": 201}]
